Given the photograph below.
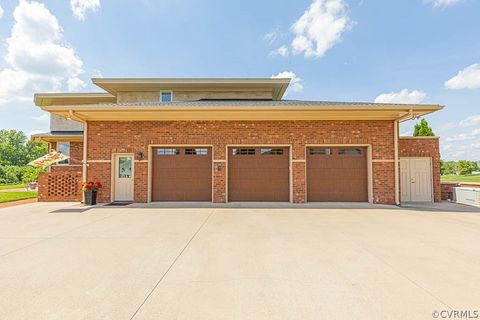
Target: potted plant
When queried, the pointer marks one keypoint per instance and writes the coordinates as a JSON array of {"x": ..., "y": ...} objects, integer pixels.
[{"x": 90, "y": 190}]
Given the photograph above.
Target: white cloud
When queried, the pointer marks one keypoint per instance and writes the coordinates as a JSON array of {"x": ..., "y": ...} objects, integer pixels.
[
  {"x": 1, "y": 12},
  {"x": 80, "y": 7},
  {"x": 296, "y": 83},
  {"x": 470, "y": 121},
  {"x": 97, "y": 74},
  {"x": 271, "y": 36},
  {"x": 281, "y": 51},
  {"x": 443, "y": 3},
  {"x": 38, "y": 57},
  {"x": 460, "y": 137},
  {"x": 468, "y": 78},
  {"x": 75, "y": 84},
  {"x": 404, "y": 96},
  {"x": 320, "y": 27}
]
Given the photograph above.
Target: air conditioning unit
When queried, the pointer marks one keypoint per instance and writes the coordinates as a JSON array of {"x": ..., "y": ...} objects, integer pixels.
[{"x": 468, "y": 196}]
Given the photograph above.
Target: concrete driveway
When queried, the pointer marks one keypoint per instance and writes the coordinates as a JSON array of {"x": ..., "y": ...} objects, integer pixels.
[{"x": 237, "y": 263}]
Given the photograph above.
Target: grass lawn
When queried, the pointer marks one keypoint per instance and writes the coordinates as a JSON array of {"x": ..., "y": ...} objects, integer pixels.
[
  {"x": 12, "y": 186},
  {"x": 457, "y": 178},
  {"x": 13, "y": 196}
]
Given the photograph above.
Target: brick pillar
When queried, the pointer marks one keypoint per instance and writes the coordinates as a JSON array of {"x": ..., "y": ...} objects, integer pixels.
[
  {"x": 219, "y": 181},
  {"x": 299, "y": 183},
  {"x": 140, "y": 184}
]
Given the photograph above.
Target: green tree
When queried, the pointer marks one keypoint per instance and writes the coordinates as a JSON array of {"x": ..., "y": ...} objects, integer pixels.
[
  {"x": 465, "y": 167},
  {"x": 16, "y": 150},
  {"x": 422, "y": 129},
  {"x": 447, "y": 167}
]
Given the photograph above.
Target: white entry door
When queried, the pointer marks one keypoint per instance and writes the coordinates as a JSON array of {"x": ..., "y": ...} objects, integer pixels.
[
  {"x": 123, "y": 182},
  {"x": 416, "y": 179}
]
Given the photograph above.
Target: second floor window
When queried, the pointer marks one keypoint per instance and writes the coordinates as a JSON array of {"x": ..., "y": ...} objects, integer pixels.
[
  {"x": 64, "y": 148},
  {"x": 166, "y": 96}
]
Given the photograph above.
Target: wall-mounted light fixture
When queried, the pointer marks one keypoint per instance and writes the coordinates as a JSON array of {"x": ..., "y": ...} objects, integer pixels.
[
  {"x": 219, "y": 166},
  {"x": 139, "y": 155}
]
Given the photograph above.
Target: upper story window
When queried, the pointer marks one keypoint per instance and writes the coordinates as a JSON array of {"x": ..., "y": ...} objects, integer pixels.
[
  {"x": 166, "y": 96},
  {"x": 64, "y": 148}
]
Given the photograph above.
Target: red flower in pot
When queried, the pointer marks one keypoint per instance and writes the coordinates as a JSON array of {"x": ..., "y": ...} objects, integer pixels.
[{"x": 90, "y": 190}]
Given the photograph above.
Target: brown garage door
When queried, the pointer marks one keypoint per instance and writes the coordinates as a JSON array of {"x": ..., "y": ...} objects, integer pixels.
[
  {"x": 337, "y": 174},
  {"x": 182, "y": 174},
  {"x": 258, "y": 174}
]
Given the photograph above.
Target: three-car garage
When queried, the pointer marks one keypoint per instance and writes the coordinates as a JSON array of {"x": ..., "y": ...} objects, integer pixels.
[{"x": 260, "y": 173}]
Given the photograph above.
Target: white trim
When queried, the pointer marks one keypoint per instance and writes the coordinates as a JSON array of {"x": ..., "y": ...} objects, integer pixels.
[{"x": 409, "y": 137}]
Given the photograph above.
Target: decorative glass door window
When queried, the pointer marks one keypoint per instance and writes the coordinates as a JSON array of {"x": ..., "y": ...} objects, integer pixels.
[{"x": 125, "y": 167}]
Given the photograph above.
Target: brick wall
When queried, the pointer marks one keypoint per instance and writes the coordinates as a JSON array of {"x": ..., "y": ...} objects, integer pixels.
[
  {"x": 424, "y": 147},
  {"x": 447, "y": 190},
  {"x": 60, "y": 186},
  {"x": 105, "y": 138}
]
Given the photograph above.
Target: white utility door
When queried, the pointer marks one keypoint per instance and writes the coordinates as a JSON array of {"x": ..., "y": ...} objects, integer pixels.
[
  {"x": 123, "y": 182},
  {"x": 416, "y": 179}
]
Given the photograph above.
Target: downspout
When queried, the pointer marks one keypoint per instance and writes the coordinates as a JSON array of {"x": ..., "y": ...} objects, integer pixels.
[
  {"x": 72, "y": 115},
  {"x": 409, "y": 116},
  {"x": 395, "y": 147}
]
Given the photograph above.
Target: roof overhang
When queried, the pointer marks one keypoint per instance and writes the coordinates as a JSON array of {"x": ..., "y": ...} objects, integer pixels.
[
  {"x": 277, "y": 86},
  {"x": 56, "y": 137},
  {"x": 52, "y": 99},
  {"x": 260, "y": 113}
]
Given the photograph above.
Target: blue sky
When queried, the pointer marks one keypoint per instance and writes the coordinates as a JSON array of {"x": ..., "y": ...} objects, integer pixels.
[{"x": 344, "y": 50}]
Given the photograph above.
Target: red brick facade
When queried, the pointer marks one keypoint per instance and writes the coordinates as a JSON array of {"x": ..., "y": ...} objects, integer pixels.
[
  {"x": 60, "y": 186},
  {"x": 424, "y": 147},
  {"x": 106, "y": 138}
]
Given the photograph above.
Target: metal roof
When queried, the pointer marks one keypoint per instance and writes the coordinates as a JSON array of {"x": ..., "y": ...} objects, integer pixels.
[{"x": 260, "y": 103}]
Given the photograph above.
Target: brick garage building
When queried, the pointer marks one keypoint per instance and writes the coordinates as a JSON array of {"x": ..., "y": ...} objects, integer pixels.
[{"x": 226, "y": 140}]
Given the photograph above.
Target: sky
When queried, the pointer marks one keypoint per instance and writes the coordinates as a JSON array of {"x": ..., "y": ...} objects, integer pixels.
[{"x": 403, "y": 51}]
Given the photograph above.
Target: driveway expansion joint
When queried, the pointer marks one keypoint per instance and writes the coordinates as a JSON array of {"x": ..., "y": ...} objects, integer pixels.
[{"x": 172, "y": 264}]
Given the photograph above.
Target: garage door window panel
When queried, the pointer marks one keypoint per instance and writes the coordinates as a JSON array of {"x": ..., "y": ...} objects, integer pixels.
[
  {"x": 197, "y": 151},
  {"x": 272, "y": 152},
  {"x": 243, "y": 152},
  {"x": 167, "y": 152},
  {"x": 320, "y": 151},
  {"x": 350, "y": 152}
]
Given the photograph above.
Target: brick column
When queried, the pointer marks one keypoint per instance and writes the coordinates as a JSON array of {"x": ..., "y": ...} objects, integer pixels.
[
  {"x": 299, "y": 182},
  {"x": 140, "y": 181},
  {"x": 219, "y": 181}
]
